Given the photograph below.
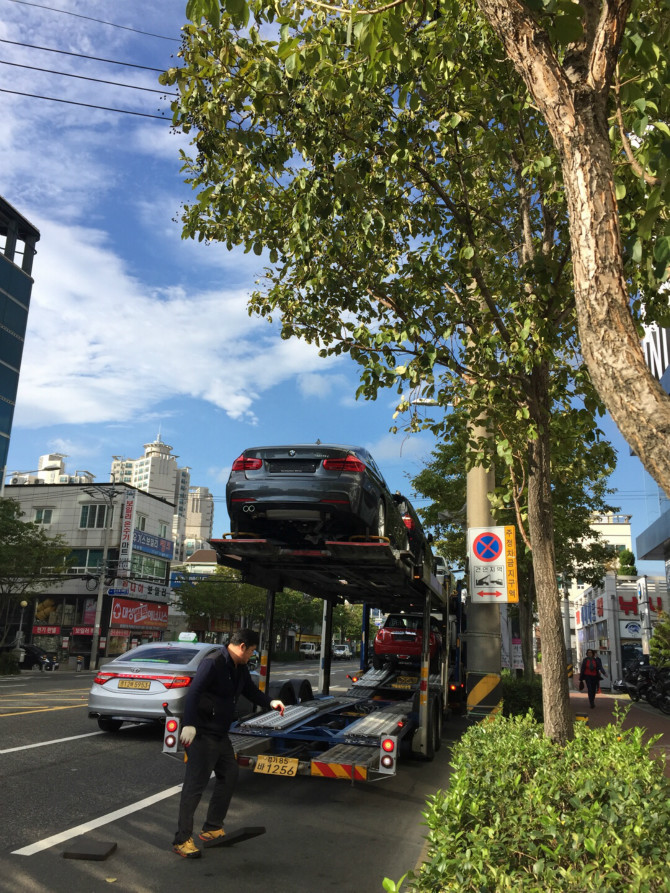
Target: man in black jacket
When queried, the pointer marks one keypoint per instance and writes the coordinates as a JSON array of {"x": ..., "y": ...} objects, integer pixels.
[{"x": 208, "y": 714}]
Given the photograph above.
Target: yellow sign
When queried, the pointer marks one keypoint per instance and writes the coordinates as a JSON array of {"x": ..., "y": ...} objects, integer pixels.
[{"x": 510, "y": 565}]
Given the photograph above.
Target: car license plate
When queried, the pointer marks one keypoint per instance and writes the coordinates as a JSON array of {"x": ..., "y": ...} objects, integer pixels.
[
  {"x": 270, "y": 765},
  {"x": 142, "y": 684},
  {"x": 407, "y": 680}
]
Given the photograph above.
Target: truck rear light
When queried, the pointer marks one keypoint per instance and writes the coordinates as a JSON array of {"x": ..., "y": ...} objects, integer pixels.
[
  {"x": 408, "y": 522},
  {"x": 350, "y": 463},
  {"x": 388, "y": 755},
  {"x": 246, "y": 463}
]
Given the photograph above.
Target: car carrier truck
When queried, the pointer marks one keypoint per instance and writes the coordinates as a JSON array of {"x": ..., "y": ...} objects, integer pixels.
[{"x": 394, "y": 711}]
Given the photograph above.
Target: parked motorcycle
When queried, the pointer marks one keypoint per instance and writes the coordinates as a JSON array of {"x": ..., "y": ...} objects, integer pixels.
[
  {"x": 639, "y": 679},
  {"x": 663, "y": 690}
]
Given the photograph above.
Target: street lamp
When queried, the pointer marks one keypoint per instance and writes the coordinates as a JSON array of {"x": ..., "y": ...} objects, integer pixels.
[
  {"x": 109, "y": 496},
  {"x": 24, "y": 605}
]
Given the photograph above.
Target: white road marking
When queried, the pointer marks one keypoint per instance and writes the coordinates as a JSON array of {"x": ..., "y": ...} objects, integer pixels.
[
  {"x": 44, "y": 743},
  {"x": 78, "y": 830}
]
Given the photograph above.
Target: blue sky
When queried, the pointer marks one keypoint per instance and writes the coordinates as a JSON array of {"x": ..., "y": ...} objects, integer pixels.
[{"x": 133, "y": 331}]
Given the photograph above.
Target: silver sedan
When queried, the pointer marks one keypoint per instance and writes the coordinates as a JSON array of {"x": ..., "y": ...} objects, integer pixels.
[{"x": 135, "y": 686}]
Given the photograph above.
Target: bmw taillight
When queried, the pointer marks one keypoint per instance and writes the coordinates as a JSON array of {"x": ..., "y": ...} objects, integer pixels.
[
  {"x": 350, "y": 463},
  {"x": 246, "y": 463}
]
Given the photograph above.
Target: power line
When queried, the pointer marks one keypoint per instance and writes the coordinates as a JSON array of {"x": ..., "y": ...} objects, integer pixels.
[
  {"x": 31, "y": 46},
  {"x": 99, "y": 21},
  {"x": 88, "y": 105},
  {"x": 82, "y": 77}
]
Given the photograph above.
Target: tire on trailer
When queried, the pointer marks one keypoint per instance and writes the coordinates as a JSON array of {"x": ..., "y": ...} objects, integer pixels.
[
  {"x": 282, "y": 691},
  {"x": 107, "y": 724},
  {"x": 302, "y": 690},
  {"x": 377, "y": 662}
]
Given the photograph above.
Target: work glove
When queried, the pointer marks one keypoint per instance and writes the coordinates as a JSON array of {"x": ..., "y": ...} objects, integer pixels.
[
  {"x": 187, "y": 735},
  {"x": 277, "y": 705}
]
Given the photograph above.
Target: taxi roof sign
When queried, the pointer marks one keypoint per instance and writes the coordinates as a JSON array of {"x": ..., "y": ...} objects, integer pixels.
[{"x": 188, "y": 637}]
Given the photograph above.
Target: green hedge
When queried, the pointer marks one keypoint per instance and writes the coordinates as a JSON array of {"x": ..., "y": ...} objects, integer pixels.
[
  {"x": 521, "y": 695},
  {"x": 525, "y": 814}
]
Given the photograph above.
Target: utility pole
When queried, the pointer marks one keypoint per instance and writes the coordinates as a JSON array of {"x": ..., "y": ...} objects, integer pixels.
[
  {"x": 108, "y": 493},
  {"x": 483, "y": 687}
]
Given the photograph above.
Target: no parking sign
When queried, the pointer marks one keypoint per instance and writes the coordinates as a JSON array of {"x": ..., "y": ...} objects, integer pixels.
[{"x": 492, "y": 557}]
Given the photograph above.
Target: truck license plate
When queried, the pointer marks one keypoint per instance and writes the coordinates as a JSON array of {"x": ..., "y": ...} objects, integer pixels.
[{"x": 270, "y": 765}]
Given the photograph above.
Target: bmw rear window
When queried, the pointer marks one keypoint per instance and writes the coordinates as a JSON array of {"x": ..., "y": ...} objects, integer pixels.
[{"x": 160, "y": 655}]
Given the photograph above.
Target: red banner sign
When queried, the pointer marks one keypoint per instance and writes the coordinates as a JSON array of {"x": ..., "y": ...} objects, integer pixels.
[{"x": 136, "y": 615}]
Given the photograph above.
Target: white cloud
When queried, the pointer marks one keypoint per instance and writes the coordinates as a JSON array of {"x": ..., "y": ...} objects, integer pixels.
[{"x": 102, "y": 347}]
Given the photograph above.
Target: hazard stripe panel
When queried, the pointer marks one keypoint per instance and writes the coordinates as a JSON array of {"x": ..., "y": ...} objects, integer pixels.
[
  {"x": 339, "y": 770},
  {"x": 484, "y": 693}
]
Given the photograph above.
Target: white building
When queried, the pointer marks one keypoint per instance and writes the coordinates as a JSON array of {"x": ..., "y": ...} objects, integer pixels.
[
  {"x": 609, "y": 619},
  {"x": 158, "y": 473},
  {"x": 51, "y": 470},
  {"x": 199, "y": 520},
  {"x": 121, "y": 553}
]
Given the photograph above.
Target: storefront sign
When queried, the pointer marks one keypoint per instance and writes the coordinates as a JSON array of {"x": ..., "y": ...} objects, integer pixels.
[
  {"x": 134, "y": 614},
  {"x": 152, "y": 545},
  {"x": 148, "y": 590},
  {"x": 46, "y": 630},
  {"x": 127, "y": 525},
  {"x": 82, "y": 630}
]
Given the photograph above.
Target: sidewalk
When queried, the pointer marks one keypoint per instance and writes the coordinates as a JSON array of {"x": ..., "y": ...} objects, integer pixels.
[{"x": 640, "y": 714}]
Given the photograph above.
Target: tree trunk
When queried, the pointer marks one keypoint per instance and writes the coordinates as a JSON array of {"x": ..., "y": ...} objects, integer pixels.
[
  {"x": 558, "y": 722},
  {"x": 573, "y": 99},
  {"x": 526, "y": 627}
]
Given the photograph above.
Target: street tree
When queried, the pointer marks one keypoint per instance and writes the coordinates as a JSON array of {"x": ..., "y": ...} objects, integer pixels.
[
  {"x": 580, "y": 471},
  {"x": 29, "y": 560},
  {"x": 413, "y": 219},
  {"x": 659, "y": 644},
  {"x": 221, "y": 596}
]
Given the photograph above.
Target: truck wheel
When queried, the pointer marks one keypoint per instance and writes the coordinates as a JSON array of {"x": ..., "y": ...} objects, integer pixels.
[
  {"x": 282, "y": 691},
  {"x": 302, "y": 690},
  {"x": 107, "y": 724}
]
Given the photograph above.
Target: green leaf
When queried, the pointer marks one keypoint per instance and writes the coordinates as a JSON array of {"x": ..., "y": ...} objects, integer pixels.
[
  {"x": 238, "y": 10},
  {"x": 196, "y": 10}
]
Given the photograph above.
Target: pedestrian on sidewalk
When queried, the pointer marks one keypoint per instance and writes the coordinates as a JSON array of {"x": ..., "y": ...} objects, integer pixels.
[
  {"x": 590, "y": 674},
  {"x": 208, "y": 713}
]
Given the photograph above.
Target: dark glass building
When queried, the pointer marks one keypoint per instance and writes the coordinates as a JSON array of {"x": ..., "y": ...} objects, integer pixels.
[{"x": 17, "y": 248}]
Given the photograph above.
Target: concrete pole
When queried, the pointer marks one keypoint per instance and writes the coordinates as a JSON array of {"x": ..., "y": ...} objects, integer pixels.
[{"x": 483, "y": 620}]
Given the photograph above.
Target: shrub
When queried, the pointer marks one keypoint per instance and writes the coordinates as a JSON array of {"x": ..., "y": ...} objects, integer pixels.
[
  {"x": 525, "y": 814},
  {"x": 521, "y": 695},
  {"x": 9, "y": 663}
]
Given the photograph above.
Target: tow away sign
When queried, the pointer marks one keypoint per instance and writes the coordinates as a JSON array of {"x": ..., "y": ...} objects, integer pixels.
[{"x": 492, "y": 556}]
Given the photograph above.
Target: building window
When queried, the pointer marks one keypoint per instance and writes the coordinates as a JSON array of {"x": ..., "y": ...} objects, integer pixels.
[
  {"x": 141, "y": 522},
  {"x": 43, "y": 516},
  {"x": 162, "y": 530},
  {"x": 93, "y": 516}
]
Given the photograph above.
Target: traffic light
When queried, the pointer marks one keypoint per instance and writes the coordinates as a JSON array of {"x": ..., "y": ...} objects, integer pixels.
[
  {"x": 388, "y": 754},
  {"x": 171, "y": 743}
]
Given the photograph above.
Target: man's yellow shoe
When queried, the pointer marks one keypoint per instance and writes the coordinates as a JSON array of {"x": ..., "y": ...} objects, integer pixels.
[
  {"x": 216, "y": 834},
  {"x": 187, "y": 849}
]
